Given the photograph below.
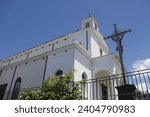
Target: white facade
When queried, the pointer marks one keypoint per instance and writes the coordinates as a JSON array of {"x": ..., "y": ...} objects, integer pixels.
[{"x": 84, "y": 51}]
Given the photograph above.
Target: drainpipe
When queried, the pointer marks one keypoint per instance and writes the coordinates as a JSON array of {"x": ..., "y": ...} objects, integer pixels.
[{"x": 11, "y": 82}]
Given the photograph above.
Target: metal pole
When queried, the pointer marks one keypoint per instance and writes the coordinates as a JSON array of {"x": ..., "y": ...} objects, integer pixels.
[{"x": 121, "y": 62}]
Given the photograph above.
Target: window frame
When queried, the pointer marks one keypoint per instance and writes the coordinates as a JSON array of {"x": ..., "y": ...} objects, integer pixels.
[
  {"x": 16, "y": 88},
  {"x": 59, "y": 72}
]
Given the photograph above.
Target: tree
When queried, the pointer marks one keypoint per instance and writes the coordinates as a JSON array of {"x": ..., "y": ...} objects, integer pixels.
[{"x": 56, "y": 88}]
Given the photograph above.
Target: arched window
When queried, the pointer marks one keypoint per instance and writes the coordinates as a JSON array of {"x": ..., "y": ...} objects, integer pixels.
[
  {"x": 59, "y": 72},
  {"x": 96, "y": 27},
  {"x": 84, "y": 76},
  {"x": 16, "y": 89},
  {"x": 87, "y": 24},
  {"x": 84, "y": 86}
]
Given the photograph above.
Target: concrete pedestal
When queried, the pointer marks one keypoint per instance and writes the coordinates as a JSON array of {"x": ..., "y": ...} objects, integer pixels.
[{"x": 126, "y": 92}]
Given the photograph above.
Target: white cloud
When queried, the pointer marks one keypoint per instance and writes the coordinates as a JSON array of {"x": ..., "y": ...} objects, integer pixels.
[
  {"x": 141, "y": 64},
  {"x": 143, "y": 78}
]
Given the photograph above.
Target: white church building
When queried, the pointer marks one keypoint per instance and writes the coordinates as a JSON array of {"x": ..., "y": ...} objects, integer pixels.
[{"x": 84, "y": 51}]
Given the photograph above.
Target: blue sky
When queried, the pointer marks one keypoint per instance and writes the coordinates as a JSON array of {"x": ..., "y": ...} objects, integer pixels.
[{"x": 27, "y": 23}]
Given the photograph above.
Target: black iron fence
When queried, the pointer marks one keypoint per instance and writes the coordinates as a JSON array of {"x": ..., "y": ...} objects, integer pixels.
[{"x": 105, "y": 88}]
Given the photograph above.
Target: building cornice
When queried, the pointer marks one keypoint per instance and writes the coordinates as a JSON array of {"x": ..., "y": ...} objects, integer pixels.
[{"x": 38, "y": 57}]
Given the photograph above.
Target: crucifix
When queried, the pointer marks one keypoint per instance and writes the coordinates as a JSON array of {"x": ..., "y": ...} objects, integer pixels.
[{"x": 117, "y": 36}]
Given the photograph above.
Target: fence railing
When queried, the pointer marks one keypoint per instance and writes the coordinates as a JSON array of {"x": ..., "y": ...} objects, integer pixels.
[{"x": 104, "y": 88}]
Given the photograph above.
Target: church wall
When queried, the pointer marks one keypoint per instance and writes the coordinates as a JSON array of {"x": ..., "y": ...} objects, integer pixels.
[
  {"x": 6, "y": 78},
  {"x": 117, "y": 67},
  {"x": 104, "y": 45},
  {"x": 97, "y": 43},
  {"x": 31, "y": 74},
  {"x": 102, "y": 63},
  {"x": 95, "y": 49},
  {"x": 79, "y": 37},
  {"x": 81, "y": 64},
  {"x": 62, "y": 59}
]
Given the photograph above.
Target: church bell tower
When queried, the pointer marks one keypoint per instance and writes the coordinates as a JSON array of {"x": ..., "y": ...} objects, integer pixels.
[{"x": 90, "y": 22}]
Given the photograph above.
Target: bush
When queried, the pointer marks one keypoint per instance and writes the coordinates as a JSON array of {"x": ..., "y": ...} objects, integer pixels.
[{"x": 56, "y": 88}]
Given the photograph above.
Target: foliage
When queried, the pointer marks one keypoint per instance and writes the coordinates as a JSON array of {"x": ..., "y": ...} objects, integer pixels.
[
  {"x": 138, "y": 94},
  {"x": 29, "y": 94},
  {"x": 56, "y": 88},
  {"x": 141, "y": 95}
]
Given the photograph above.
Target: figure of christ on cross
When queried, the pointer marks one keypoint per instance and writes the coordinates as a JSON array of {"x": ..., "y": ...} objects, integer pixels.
[{"x": 117, "y": 36}]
